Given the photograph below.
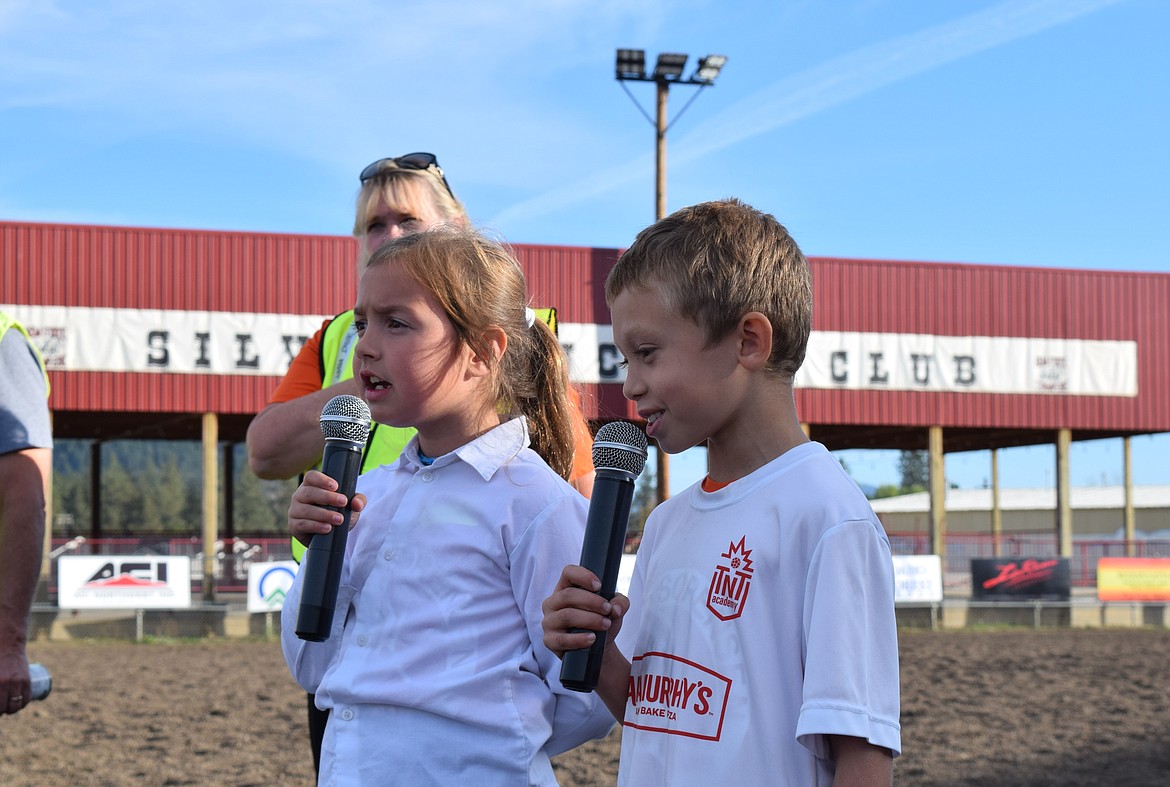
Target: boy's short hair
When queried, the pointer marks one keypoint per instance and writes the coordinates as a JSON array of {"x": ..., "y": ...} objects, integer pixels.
[{"x": 717, "y": 261}]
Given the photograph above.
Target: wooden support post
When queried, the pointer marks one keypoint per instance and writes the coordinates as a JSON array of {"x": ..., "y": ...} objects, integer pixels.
[
  {"x": 210, "y": 502},
  {"x": 1064, "y": 526},
  {"x": 996, "y": 513},
  {"x": 1130, "y": 518},
  {"x": 938, "y": 493}
]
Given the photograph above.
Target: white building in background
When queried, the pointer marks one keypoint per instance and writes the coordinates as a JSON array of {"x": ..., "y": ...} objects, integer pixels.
[{"x": 1097, "y": 511}]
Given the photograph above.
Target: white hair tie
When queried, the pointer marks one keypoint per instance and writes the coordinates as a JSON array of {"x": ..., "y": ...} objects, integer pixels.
[{"x": 530, "y": 317}]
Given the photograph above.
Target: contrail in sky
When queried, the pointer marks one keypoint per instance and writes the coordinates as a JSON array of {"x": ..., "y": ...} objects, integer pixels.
[{"x": 832, "y": 83}]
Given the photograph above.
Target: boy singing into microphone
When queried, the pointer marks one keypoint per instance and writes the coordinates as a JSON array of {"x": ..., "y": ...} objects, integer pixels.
[{"x": 760, "y": 642}]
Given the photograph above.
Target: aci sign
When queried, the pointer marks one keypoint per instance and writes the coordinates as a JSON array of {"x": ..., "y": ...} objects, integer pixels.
[{"x": 123, "y": 582}]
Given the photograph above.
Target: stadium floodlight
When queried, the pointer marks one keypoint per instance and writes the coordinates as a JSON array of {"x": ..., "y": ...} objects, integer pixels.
[
  {"x": 709, "y": 68},
  {"x": 668, "y": 70},
  {"x": 669, "y": 66},
  {"x": 631, "y": 64}
]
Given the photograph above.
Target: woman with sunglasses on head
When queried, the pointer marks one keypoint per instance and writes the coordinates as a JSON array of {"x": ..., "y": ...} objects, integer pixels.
[{"x": 398, "y": 196}]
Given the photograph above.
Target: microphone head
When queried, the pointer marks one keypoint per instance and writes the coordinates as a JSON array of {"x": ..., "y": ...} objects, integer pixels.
[
  {"x": 619, "y": 445},
  {"x": 346, "y": 417}
]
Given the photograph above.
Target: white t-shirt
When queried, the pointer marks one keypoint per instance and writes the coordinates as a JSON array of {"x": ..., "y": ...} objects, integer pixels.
[
  {"x": 761, "y": 620},
  {"x": 435, "y": 670}
]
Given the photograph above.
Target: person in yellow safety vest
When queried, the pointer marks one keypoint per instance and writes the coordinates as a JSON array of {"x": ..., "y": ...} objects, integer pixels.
[{"x": 26, "y": 460}]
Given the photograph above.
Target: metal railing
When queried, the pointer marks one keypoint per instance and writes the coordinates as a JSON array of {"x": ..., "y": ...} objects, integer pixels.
[{"x": 233, "y": 556}]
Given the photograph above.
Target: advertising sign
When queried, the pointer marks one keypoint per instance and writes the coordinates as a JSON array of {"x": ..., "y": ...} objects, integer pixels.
[
  {"x": 1133, "y": 579},
  {"x": 123, "y": 582},
  {"x": 917, "y": 578},
  {"x": 1020, "y": 578},
  {"x": 268, "y": 583}
]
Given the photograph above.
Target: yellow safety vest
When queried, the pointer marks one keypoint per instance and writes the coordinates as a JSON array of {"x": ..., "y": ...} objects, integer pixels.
[{"x": 6, "y": 322}]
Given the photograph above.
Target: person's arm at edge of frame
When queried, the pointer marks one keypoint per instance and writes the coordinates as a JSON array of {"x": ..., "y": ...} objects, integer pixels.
[
  {"x": 22, "y": 531},
  {"x": 572, "y": 606},
  {"x": 860, "y": 763}
]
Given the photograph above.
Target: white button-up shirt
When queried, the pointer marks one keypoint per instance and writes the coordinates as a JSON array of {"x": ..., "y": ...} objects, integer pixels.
[{"x": 435, "y": 667}]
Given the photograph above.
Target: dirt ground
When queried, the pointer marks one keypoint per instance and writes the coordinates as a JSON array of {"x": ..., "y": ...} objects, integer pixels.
[{"x": 1019, "y": 707}]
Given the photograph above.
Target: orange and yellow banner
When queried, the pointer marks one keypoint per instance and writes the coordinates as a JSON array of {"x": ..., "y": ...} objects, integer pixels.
[{"x": 1133, "y": 579}]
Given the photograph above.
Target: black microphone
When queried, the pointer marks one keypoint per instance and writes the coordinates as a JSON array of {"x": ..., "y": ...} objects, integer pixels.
[
  {"x": 619, "y": 454},
  {"x": 345, "y": 422}
]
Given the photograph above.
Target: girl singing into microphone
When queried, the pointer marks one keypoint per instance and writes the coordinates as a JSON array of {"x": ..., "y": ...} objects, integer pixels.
[{"x": 435, "y": 670}]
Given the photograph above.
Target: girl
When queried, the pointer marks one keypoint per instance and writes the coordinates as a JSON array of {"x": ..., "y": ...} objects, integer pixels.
[{"x": 435, "y": 669}]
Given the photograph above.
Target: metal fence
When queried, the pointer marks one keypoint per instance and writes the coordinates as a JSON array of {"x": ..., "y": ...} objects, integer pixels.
[
  {"x": 961, "y": 548},
  {"x": 233, "y": 556}
]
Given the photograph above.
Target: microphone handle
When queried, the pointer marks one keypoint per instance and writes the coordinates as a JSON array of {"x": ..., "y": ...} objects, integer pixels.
[
  {"x": 601, "y": 553},
  {"x": 342, "y": 461}
]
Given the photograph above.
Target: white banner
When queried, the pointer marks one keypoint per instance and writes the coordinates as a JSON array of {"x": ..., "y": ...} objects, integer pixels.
[
  {"x": 123, "y": 582},
  {"x": 188, "y": 342},
  {"x": 268, "y": 584},
  {"x": 969, "y": 364},
  {"x": 917, "y": 578},
  {"x": 151, "y": 340}
]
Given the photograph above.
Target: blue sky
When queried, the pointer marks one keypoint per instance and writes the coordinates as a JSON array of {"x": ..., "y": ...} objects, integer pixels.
[{"x": 1022, "y": 132}]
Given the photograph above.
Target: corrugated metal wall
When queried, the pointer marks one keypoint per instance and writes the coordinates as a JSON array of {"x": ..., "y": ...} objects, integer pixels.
[
  {"x": 133, "y": 268},
  {"x": 270, "y": 273},
  {"x": 972, "y": 300}
]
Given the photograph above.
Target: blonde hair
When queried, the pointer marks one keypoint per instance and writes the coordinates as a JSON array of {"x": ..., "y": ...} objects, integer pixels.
[
  {"x": 717, "y": 261},
  {"x": 480, "y": 286},
  {"x": 399, "y": 189}
]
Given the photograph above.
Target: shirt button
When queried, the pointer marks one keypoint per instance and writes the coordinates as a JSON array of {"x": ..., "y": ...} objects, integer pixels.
[
  {"x": 428, "y": 477},
  {"x": 347, "y": 714},
  {"x": 362, "y": 640},
  {"x": 388, "y": 554}
]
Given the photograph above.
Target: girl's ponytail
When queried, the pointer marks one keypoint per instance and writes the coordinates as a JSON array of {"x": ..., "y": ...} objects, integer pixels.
[{"x": 547, "y": 408}]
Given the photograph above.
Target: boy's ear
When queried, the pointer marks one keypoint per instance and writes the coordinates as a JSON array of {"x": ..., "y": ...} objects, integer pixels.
[{"x": 755, "y": 340}]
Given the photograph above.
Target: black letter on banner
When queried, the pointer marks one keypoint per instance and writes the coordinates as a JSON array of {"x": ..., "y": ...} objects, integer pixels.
[
  {"x": 838, "y": 364},
  {"x": 288, "y": 346},
  {"x": 921, "y": 368},
  {"x": 157, "y": 342},
  {"x": 607, "y": 361},
  {"x": 878, "y": 375},
  {"x": 203, "y": 339},
  {"x": 244, "y": 362},
  {"x": 964, "y": 370}
]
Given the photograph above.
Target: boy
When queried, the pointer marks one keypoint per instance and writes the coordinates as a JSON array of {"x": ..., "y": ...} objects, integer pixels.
[{"x": 760, "y": 623}]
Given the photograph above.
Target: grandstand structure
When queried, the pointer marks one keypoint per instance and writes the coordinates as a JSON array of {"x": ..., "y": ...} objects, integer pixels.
[{"x": 183, "y": 334}]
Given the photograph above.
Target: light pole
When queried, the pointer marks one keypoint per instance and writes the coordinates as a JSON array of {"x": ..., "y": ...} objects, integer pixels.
[{"x": 668, "y": 70}]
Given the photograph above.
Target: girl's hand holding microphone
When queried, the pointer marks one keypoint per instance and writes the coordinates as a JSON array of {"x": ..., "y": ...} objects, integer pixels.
[{"x": 308, "y": 515}]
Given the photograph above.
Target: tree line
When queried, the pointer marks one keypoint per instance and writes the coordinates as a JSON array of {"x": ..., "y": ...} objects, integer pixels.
[{"x": 155, "y": 487}]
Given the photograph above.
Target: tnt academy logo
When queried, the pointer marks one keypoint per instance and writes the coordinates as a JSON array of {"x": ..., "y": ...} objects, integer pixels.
[
  {"x": 676, "y": 696},
  {"x": 730, "y": 582}
]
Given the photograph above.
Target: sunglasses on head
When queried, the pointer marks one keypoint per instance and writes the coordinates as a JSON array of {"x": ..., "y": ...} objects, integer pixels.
[{"x": 425, "y": 162}]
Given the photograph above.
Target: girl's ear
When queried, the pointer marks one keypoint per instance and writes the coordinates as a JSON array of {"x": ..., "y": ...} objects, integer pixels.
[
  {"x": 755, "y": 340},
  {"x": 495, "y": 340}
]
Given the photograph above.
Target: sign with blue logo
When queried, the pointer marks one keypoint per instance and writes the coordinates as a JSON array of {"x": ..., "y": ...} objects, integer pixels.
[{"x": 268, "y": 583}]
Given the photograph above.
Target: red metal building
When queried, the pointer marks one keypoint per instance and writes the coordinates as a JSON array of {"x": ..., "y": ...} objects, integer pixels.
[{"x": 150, "y": 295}]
